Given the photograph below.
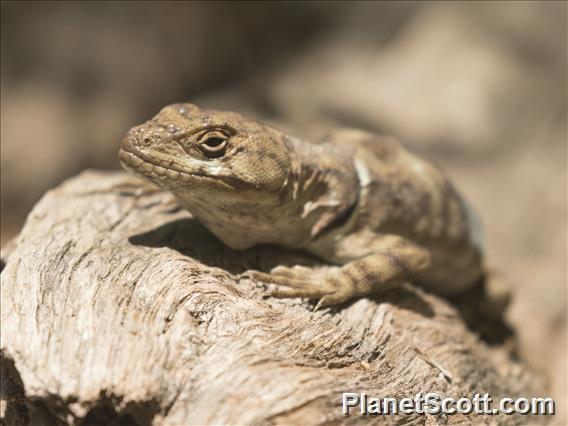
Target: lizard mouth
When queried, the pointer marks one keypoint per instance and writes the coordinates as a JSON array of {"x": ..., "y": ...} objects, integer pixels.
[
  {"x": 150, "y": 170},
  {"x": 168, "y": 175}
]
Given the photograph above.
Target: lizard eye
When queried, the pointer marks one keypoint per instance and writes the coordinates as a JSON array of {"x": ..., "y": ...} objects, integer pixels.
[{"x": 213, "y": 144}]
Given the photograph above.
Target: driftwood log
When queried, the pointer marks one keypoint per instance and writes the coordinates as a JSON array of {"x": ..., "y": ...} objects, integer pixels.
[{"x": 117, "y": 307}]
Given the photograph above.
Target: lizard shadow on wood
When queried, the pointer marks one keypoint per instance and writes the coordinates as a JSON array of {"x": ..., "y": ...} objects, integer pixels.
[{"x": 192, "y": 239}]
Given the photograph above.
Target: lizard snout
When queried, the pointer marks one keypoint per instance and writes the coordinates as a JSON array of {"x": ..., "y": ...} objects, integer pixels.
[{"x": 142, "y": 137}]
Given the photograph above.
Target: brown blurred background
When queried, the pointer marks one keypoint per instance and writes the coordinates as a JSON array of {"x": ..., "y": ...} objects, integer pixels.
[{"x": 478, "y": 87}]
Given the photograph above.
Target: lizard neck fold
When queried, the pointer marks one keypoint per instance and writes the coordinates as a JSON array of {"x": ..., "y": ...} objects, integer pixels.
[{"x": 324, "y": 184}]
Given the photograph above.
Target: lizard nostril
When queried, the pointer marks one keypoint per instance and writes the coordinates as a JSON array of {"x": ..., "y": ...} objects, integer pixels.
[{"x": 146, "y": 141}]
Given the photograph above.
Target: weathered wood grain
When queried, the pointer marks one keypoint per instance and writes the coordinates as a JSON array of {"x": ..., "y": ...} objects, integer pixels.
[{"x": 116, "y": 306}]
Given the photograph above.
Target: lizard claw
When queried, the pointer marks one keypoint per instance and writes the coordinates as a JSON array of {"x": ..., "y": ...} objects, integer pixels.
[
  {"x": 318, "y": 306},
  {"x": 332, "y": 299}
]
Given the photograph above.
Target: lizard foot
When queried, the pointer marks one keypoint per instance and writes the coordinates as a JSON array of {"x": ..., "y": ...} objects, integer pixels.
[{"x": 326, "y": 284}]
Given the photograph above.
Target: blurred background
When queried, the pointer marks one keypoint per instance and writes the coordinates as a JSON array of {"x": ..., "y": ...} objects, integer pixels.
[{"x": 480, "y": 88}]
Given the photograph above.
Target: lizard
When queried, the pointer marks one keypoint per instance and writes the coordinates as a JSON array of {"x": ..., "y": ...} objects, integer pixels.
[{"x": 377, "y": 213}]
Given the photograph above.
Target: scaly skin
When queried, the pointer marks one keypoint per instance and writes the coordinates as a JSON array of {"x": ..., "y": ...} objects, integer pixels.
[{"x": 357, "y": 200}]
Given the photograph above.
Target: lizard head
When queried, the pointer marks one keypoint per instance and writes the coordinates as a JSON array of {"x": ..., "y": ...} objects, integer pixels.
[
  {"x": 208, "y": 153},
  {"x": 221, "y": 166}
]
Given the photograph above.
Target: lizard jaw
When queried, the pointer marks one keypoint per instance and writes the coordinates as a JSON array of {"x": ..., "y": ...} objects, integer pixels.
[
  {"x": 147, "y": 170},
  {"x": 169, "y": 177}
]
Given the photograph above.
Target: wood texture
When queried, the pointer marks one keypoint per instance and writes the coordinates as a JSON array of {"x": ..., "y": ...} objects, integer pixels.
[{"x": 116, "y": 306}]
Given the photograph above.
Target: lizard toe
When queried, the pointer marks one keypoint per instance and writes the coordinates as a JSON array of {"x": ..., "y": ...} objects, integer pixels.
[
  {"x": 284, "y": 293},
  {"x": 296, "y": 272},
  {"x": 332, "y": 299},
  {"x": 276, "y": 279}
]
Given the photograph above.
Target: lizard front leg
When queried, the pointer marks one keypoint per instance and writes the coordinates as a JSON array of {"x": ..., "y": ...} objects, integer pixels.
[{"x": 394, "y": 262}]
